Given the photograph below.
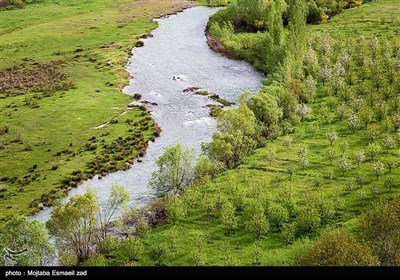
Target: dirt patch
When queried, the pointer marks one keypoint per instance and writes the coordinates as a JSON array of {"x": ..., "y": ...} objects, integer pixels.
[
  {"x": 215, "y": 44},
  {"x": 151, "y": 9},
  {"x": 43, "y": 77}
]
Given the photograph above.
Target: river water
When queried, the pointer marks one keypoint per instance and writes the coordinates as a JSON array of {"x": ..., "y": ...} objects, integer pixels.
[{"x": 177, "y": 49}]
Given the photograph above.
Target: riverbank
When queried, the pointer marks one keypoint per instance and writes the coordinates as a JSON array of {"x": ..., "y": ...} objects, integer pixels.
[{"x": 48, "y": 141}]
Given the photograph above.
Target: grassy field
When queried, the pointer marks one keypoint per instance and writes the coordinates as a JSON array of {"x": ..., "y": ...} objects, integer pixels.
[
  {"x": 198, "y": 236},
  {"x": 380, "y": 18},
  {"x": 48, "y": 139}
]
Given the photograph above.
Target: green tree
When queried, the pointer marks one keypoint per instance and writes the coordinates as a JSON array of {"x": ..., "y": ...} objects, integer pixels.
[
  {"x": 378, "y": 168},
  {"x": 388, "y": 142},
  {"x": 228, "y": 217},
  {"x": 266, "y": 111},
  {"x": 118, "y": 199},
  {"x": 174, "y": 170},
  {"x": 331, "y": 155},
  {"x": 74, "y": 225},
  {"x": 277, "y": 215},
  {"x": 24, "y": 243},
  {"x": 331, "y": 136},
  {"x": 344, "y": 164},
  {"x": 337, "y": 248},
  {"x": 359, "y": 157},
  {"x": 176, "y": 209},
  {"x": 373, "y": 150},
  {"x": 309, "y": 219},
  {"x": 258, "y": 223},
  {"x": 270, "y": 156}
]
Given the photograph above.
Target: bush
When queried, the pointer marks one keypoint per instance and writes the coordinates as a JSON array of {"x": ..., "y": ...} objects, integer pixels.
[{"x": 337, "y": 248}]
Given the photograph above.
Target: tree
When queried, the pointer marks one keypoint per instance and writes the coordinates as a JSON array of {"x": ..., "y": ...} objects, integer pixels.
[
  {"x": 258, "y": 223},
  {"x": 379, "y": 168},
  {"x": 303, "y": 110},
  {"x": 366, "y": 115},
  {"x": 303, "y": 162},
  {"x": 74, "y": 226},
  {"x": 24, "y": 243},
  {"x": 331, "y": 136},
  {"x": 337, "y": 248},
  {"x": 373, "y": 133},
  {"x": 344, "y": 164},
  {"x": 330, "y": 155},
  {"x": 176, "y": 209},
  {"x": 381, "y": 229},
  {"x": 174, "y": 170},
  {"x": 360, "y": 157},
  {"x": 266, "y": 111},
  {"x": 354, "y": 122},
  {"x": 277, "y": 215},
  {"x": 309, "y": 219},
  {"x": 228, "y": 217},
  {"x": 389, "y": 183},
  {"x": 388, "y": 142},
  {"x": 270, "y": 156},
  {"x": 373, "y": 150},
  {"x": 118, "y": 198}
]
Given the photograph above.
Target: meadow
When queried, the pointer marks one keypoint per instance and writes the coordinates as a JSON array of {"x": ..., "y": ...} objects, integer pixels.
[{"x": 62, "y": 69}]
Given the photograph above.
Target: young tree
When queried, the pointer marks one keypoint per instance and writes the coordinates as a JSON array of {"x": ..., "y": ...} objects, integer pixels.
[
  {"x": 389, "y": 183},
  {"x": 373, "y": 133},
  {"x": 270, "y": 156},
  {"x": 373, "y": 150},
  {"x": 118, "y": 199},
  {"x": 331, "y": 136},
  {"x": 174, "y": 170},
  {"x": 309, "y": 219},
  {"x": 258, "y": 223},
  {"x": 24, "y": 243},
  {"x": 303, "y": 110},
  {"x": 287, "y": 141},
  {"x": 228, "y": 217},
  {"x": 176, "y": 209},
  {"x": 74, "y": 225},
  {"x": 388, "y": 142},
  {"x": 366, "y": 115},
  {"x": 344, "y": 164},
  {"x": 359, "y": 157},
  {"x": 354, "y": 122},
  {"x": 277, "y": 215},
  {"x": 330, "y": 155},
  {"x": 379, "y": 168}
]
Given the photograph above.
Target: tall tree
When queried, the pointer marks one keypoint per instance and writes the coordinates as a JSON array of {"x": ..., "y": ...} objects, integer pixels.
[
  {"x": 74, "y": 225},
  {"x": 174, "y": 170}
]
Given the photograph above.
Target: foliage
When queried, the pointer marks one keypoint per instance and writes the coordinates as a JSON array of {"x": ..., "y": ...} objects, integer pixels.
[
  {"x": 337, "y": 248},
  {"x": 74, "y": 225},
  {"x": 175, "y": 170},
  {"x": 25, "y": 243}
]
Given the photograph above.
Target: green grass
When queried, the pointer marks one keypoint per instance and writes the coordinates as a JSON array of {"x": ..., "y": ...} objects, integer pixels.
[
  {"x": 380, "y": 18},
  {"x": 257, "y": 178},
  {"x": 90, "y": 41}
]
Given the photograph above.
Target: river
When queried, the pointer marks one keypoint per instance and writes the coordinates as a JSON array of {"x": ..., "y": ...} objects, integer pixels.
[{"x": 177, "y": 49}]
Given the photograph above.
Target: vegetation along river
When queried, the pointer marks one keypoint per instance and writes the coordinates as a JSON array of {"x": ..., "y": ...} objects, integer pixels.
[{"x": 177, "y": 57}]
